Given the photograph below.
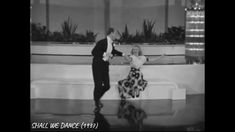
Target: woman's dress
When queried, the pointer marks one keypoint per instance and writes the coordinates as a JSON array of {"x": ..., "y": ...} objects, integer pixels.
[{"x": 131, "y": 86}]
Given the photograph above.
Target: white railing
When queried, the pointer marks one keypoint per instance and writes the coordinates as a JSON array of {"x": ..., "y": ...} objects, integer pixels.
[{"x": 85, "y": 49}]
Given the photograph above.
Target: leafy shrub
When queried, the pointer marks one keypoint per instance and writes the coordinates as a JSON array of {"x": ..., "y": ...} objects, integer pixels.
[
  {"x": 147, "y": 35},
  {"x": 68, "y": 30},
  {"x": 147, "y": 31},
  {"x": 125, "y": 36},
  {"x": 90, "y": 36},
  {"x": 38, "y": 32},
  {"x": 175, "y": 34}
]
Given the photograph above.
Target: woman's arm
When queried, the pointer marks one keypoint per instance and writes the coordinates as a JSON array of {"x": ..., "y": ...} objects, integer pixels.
[
  {"x": 155, "y": 59},
  {"x": 127, "y": 58}
]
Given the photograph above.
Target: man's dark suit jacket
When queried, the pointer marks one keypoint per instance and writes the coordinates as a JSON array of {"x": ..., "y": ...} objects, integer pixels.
[
  {"x": 101, "y": 47},
  {"x": 100, "y": 69}
]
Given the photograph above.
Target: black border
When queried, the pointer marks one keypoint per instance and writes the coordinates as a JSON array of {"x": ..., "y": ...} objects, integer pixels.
[{"x": 16, "y": 65}]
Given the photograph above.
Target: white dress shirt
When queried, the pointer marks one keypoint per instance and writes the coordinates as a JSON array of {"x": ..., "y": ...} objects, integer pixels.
[{"x": 109, "y": 48}]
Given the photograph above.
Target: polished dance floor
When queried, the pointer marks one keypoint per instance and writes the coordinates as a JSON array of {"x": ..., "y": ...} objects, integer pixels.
[{"x": 117, "y": 115}]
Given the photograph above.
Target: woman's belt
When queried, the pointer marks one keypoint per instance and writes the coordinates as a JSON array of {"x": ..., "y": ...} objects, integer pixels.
[{"x": 135, "y": 69}]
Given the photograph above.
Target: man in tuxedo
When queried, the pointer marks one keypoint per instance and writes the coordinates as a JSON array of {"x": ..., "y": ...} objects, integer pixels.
[{"x": 102, "y": 52}]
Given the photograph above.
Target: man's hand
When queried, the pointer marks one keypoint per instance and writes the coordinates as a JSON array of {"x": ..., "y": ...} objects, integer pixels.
[{"x": 109, "y": 55}]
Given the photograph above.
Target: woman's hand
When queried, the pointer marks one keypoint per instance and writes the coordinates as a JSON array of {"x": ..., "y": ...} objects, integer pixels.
[
  {"x": 156, "y": 59},
  {"x": 127, "y": 57}
]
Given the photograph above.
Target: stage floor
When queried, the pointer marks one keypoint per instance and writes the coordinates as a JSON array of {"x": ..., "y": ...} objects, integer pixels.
[{"x": 116, "y": 115}]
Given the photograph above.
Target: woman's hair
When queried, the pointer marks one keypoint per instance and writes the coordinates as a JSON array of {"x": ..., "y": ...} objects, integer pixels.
[{"x": 140, "y": 50}]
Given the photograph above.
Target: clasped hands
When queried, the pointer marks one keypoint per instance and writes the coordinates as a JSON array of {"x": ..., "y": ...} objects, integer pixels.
[{"x": 107, "y": 56}]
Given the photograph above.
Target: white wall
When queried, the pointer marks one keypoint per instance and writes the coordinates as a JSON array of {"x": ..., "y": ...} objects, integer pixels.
[
  {"x": 191, "y": 77},
  {"x": 86, "y": 49},
  {"x": 67, "y": 53}
]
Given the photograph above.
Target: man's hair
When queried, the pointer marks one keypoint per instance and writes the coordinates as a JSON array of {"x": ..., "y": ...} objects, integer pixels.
[{"x": 110, "y": 30}]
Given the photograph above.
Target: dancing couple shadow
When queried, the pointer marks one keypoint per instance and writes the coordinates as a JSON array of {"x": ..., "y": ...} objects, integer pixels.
[{"x": 126, "y": 110}]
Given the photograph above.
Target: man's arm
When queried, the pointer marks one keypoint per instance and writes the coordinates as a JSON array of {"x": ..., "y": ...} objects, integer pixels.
[{"x": 117, "y": 53}]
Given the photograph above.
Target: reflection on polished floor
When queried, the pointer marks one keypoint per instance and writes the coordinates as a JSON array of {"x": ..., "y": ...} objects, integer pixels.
[{"x": 117, "y": 115}]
